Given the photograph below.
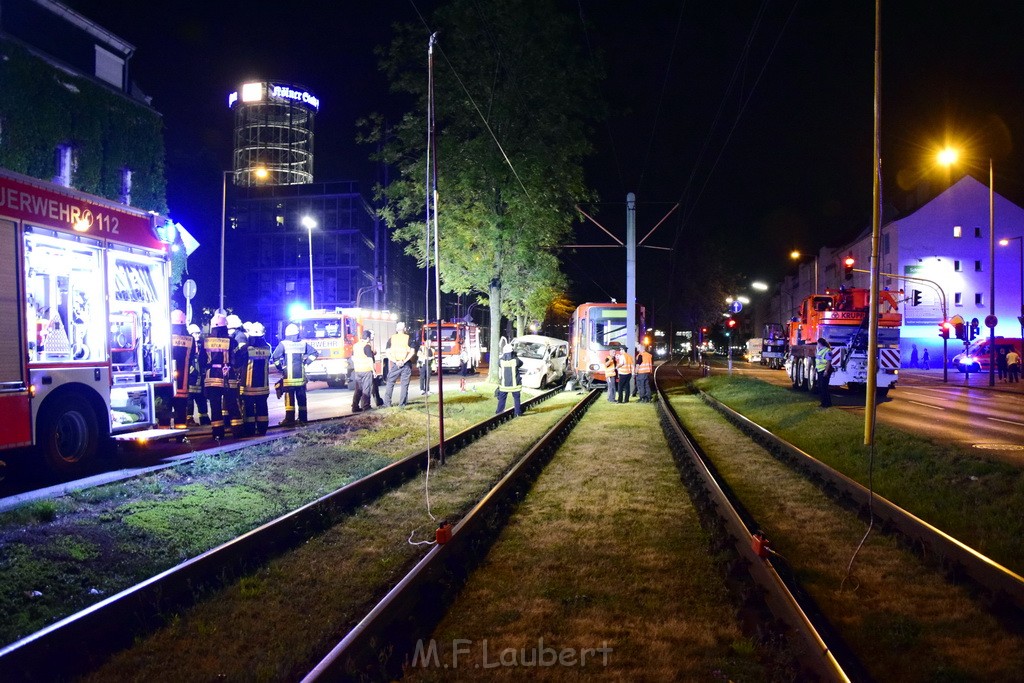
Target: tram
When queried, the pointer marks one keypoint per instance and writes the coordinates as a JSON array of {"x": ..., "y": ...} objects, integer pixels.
[{"x": 595, "y": 331}]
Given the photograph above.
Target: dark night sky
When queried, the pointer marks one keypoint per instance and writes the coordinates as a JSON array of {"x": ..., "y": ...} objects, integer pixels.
[{"x": 781, "y": 161}]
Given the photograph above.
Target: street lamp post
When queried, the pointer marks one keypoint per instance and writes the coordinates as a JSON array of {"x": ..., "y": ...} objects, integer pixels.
[
  {"x": 948, "y": 157},
  {"x": 223, "y": 223},
  {"x": 1020, "y": 241},
  {"x": 261, "y": 173},
  {"x": 309, "y": 223},
  {"x": 795, "y": 255}
]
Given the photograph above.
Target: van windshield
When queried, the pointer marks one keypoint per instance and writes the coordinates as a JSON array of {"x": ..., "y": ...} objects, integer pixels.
[
  {"x": 531, "y": 350},
  {"x": 978, "y": 347}
]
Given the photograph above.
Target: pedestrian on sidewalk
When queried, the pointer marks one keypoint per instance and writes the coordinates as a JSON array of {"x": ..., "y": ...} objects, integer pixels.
[
  {"x": 913, "y": 356},
  {"x": 924, "y": 359},
  {"x": 1013, "y": 366}
]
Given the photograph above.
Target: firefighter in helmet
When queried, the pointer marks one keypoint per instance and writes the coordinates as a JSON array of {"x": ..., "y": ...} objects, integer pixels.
[
  {"x": 218, "y": 371},
  {"x": 255, "y": 388},
  {"x": 183, "y": 349},
  {"x": 233, "y": 398},
  {"x": 508, "y": 380},
  {"x": 291, "y": 356},
  {"x": 196, "y": 370}
]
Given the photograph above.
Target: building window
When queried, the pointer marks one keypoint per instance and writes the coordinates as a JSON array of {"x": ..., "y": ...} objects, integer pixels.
[
  {"x": 958, "y": 267},
  {"x": 958, "y": 299},
  {"x": 64, "y": 165},
  {"x": 979, "y": 299},
  {"x": 977, "y": 266},
  {"x": 109, "y": 68},
  {"x": 957, "y": 231},
  {"x": 977, "y": 232}
]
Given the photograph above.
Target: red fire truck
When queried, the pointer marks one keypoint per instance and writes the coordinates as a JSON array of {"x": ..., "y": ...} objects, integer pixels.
[
  {"x": 85, "y": 299},
  {"x": 456, "y": 337}
]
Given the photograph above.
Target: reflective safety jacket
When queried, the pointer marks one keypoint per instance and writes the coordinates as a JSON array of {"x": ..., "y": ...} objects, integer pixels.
[
  {"x": 822, "y": 358},
  {"x": 362, "y": 357},
  {"x": 238, "y": 360},
  {"x": 196, "y": 368},
  {"x": 292, "y": 356},
  {"x": 218, "y": 358},
  {"x": 645, "y": 365},
  {"x": 399, "y": 351},
  {"x": 609, "y": 366},
  {"x": 508, "y": 373},
  {"x": 625, "y": 364},
  {"x": 256, "y": 375},
  {"x": 183, "y": 348}
]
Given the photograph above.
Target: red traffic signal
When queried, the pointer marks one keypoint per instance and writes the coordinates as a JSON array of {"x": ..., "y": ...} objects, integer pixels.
[
  {"x": 944, "y": 329},
  {"x": 848, "y": 264},
  {"x": 731, "y": 323}
]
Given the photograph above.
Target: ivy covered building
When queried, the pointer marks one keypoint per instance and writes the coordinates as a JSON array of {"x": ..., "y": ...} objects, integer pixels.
[{"x": 69, "y": 111}]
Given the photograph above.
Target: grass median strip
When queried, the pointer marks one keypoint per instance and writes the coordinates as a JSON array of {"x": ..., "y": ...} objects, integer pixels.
[
  {"x": 277, "y": 621},
  {"x": 59, "y": 556},
  {"x": 602, "y": 571},
  {"x": 901, "y": 618},
  {"x": 978, "y": 501}
]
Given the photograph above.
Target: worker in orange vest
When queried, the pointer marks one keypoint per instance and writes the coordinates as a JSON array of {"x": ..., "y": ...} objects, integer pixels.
[
  {"x": 625, "y": 364},
  {"x": 610, "y": 375},
  {"x": 644, "y": 368}
]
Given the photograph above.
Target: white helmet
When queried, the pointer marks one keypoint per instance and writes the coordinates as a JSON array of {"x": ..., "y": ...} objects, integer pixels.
[
  {"x": 508, "y": 348},
  {"x": 400, "y": 327},
  {"x": 256, "y": 329},
  {"x": 292, "y": 329},
  {"x": 177, "y": 317},
  {"x": 194, "y": 330},
  {"x": 234, "y": 322},
  {"x": 247, "y": 326},
  {"x": 219, "y": 320}
]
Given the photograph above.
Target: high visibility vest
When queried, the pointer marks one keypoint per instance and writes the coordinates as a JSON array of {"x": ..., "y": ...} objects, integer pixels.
[
  {"x": 256, "y": 377},
  {"x": 291, "y": 356},
  {"x": 822, "y": 358},
  {"x": 182, "y": 348},
  {"x": 218, "y": 361},
  {"x": 609, "y": 366},
  {"x": 626, "y": 364},
  {"x": 360, "y": 361},
  {"x": 196, "y": 368},
  {"x": 646, "y": 365},
  {"x": 508, "y": 373},
  {"x": 399, "y": 350}
]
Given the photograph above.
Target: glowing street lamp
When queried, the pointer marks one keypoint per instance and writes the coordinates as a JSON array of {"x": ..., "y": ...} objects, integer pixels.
[
  {"x": 1020, "y": 241},
  {"x": 795, "y": 255},
  {"x": 949, "y": 156},
  {"x": 308, "y": 222}
]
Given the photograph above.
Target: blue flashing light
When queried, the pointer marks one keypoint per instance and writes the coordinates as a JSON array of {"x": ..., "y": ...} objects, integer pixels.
[{"x": 295, "y": 310}]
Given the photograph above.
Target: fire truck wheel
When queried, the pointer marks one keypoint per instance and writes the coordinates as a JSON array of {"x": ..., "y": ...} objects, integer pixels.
[{"x": 68, "y": 434}]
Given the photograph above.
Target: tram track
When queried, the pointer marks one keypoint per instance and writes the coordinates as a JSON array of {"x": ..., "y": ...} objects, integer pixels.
[{"x": 88, "y": 637}]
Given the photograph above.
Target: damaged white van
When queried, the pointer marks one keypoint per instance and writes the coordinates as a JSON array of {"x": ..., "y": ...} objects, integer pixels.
[{"x": 544, "y": 360}]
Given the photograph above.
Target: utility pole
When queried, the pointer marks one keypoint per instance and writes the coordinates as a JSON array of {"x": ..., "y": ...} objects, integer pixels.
[{"x": 631, "y": 273}]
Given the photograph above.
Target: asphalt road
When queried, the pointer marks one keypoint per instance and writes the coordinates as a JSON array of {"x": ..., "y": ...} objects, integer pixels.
[{"x": 964, "y": 410}]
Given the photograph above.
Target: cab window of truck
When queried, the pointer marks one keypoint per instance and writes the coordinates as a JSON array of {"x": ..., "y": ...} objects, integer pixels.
[{"x": 64, "y": 299}]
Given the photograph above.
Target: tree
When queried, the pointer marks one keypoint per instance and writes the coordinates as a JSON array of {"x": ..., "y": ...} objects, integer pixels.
[{"x": 508, "y": 72}]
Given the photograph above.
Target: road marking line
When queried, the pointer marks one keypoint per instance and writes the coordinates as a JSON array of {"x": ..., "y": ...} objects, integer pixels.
[
  {"x": 1009, "y": 422},
  {"x": 926, "y": 405}
]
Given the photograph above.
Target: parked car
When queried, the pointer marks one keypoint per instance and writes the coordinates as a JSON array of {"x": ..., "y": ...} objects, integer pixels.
[
  {"x": 544, "y": 359},
  {"x": 976, "y": 357}
]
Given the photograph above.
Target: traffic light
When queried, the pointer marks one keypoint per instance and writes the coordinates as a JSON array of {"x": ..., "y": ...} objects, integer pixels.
[
  {"x": 915, "y": 297},
  {"x": 731, "y": 323},
  {"x": 975, "y": 328},
  {"x": 961, "y": 331},
  {"x": 944, "y": 329},
  {"x": 848, "y": 264}
]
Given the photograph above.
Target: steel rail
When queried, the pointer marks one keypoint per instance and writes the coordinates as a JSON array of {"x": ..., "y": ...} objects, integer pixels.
[
  {"x": 821, "y": 650},
  {"x": 377, "y": 647},
  {"x": 1000, "y": 581},
  {"x": 80, "y": 642}
]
